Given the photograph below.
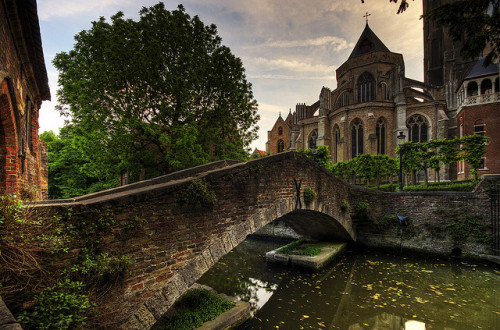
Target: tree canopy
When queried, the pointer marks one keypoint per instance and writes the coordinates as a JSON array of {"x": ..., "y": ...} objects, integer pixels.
[
  {"x": 476, "y": 24},
  {"x": 158, "y": 94}
]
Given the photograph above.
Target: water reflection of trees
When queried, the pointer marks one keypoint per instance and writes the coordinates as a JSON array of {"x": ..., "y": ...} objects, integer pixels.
[{"x": 361, "y": 291}]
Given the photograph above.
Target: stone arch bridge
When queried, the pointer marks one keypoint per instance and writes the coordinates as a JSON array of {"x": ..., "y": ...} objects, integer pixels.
[
  {"x": 175, "y": 227},
  {"x": 175, "y": 234}
]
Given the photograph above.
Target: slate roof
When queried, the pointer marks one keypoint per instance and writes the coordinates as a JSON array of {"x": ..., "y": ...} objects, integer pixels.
[
  {"x": 367, "y": 43},
  {"x": 478, "y": 70}
]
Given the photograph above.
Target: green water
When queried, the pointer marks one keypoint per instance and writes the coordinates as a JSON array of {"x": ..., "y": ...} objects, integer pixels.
[{"x": 360, "y": 290}]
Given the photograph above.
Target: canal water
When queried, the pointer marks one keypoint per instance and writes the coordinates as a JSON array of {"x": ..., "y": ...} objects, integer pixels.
[{"x": 360, "y": 290}]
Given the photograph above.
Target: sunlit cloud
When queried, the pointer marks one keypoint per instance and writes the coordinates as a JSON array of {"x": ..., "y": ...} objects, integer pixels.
[
  {"x": 291, "y": 65},
  {"x": 338, "y": 43}
]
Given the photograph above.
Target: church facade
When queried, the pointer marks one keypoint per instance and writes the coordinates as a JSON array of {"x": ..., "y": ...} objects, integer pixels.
[
  {"x": 23, "y": 87},
  {"x": 373, "y": 103}
]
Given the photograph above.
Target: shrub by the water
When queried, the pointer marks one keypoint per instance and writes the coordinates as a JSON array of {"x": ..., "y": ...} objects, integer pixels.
[
  {"x": 194, "y": 308},
  {"x": 300, "y": 247}
]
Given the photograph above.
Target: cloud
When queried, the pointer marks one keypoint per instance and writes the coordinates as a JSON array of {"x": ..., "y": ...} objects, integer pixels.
[
  {"x": 293, "y": 65},
  {"x": 339, "y": 44}
]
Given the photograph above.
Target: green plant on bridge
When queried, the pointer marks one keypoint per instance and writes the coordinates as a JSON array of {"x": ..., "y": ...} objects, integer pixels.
[
  {"x": 309, "y": 195},
  {"x": 345, "y": 206},
  {"x": 63, "y": 306},
  {"x": 198, "y": 192},
  {"x": 363, "y": 208}
]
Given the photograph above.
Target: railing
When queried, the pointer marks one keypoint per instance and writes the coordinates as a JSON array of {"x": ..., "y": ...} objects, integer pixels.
[{"x": 481, "y": 99}]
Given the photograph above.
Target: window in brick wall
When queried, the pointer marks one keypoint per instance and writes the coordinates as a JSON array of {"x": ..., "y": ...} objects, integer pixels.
[
  {"x": 381, "y": 136},
  {"x": 281, "y": 146},
  {"x": 479, "y": 127},
  {"x": 357, "y": 138}
]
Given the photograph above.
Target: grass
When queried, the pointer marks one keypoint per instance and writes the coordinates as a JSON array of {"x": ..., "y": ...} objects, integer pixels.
[
  {"x": 301, "y": 247},
  {"x": 194, "y": 308}
]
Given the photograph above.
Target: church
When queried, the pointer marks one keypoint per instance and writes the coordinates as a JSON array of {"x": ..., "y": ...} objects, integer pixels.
[{"x": 375, "y": 102}]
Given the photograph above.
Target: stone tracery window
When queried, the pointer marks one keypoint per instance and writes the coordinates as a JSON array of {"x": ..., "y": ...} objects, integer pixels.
[
  {"x": 366, "y": 88},
  {"x": 417, "y": 128},
  {"x": 381, "y": 136},
  {"x": 281, "y": 146},
  {"x": 356, "y": 137},
  {"x": 343, "y": 100},
  {"x": 312, "y": 139}
]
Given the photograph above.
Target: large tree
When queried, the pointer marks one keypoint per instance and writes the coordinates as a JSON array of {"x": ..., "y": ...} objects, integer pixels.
[
  {"x": 157, "y": 94},
  {"x": 474, "y": 23}
]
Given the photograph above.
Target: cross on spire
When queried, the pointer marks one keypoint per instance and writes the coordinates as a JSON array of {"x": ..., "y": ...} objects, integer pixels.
[{"x": 366, "y": 16}]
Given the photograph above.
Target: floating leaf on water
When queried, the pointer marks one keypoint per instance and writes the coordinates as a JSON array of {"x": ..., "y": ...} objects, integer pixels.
[{"x": 305, "y": 316}]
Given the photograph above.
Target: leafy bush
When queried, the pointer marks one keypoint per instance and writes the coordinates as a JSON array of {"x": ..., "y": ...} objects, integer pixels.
[
  {"x": 320, "y": 155},
  {"x": 363, "y": 208},
  {"x": 197, "y": 192},
  {"x": 194, "y": 308},
  {"x": 62, "y": 306},
  {"x": 23, "y": 244},
  {"x": 443, "y": 186},
  {"x": 344, "y": 206},
  {"x": 100, "y": 269},
  {"x": 299, "y": 247},
  {"x": 309, "y": 195}
]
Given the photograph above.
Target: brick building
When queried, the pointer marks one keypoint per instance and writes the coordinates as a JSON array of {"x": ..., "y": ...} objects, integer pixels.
[
  {"x": 372, "y": 104},
  {"x": 23, "y": 87},
  {"x": 478, "y": 99}
]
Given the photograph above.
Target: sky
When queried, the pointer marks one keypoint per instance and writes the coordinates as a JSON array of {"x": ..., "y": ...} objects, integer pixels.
[{"x": 290, "y": 48}]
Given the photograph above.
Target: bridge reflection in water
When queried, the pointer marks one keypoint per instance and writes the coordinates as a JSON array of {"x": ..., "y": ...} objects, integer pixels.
[{"x": 360, "y": 291}]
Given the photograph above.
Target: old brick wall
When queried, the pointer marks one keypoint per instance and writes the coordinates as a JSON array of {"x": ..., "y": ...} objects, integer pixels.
[
  {"x": 435, "y": 220},
  {"x": 23, "y": 86}
]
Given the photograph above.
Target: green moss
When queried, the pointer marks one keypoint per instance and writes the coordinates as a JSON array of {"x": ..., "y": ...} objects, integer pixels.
[
  {"x": 194, "y": 308},
  {"x": 309, "y": 195},
  {"x": 301, "y": 247},
  {"x": 388, "y": 221}
]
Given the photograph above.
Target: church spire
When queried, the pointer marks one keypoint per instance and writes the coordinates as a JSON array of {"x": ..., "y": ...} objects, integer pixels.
[{"x": 368, "y": 42}]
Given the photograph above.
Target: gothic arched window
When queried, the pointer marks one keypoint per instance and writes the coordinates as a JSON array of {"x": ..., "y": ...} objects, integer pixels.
[
  {"x": 366, "y": 88},
  {"x": 343, "y": 100},
  {"x": 336, "y": 144},
  {"x": 312, "y": 139},
  {"x": 281, "y": 146},
  {"x": 280, "y": 130},
  {"x": 381, "y": 140},
  {"x": 386, "y": 92},
  {"x": 417, "y": 128},
  {"x": 357, "y": 137}
]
